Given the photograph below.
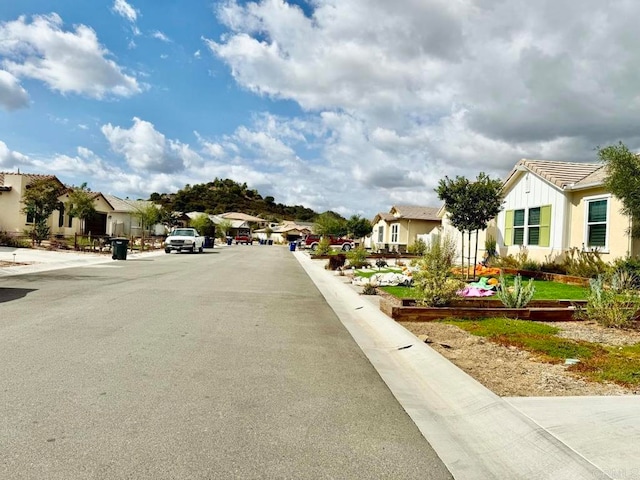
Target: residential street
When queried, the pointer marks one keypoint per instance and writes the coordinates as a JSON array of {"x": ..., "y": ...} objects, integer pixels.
[{"x": 227, "y": 364}]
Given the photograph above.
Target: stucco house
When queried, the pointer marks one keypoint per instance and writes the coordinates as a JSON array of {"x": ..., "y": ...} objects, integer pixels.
[
  {"x": 12, "y": 187},
  {"x": 551, "y": 207},
  {"x": 399, "y": 229},
  {"x": 123, "y": 221}
]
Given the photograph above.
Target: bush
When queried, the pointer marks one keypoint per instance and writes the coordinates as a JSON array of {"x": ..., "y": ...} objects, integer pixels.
[
  {"x": 9, "y": 240},
  {"x": 432, "y": 278},
  {"x": 357, "y": 257},
  {"x": 629, "y": 270},
  {"x": 417, "y": 248},
  {"x": 609, "y": 308},
  {"x": 324, "y": 247},
  {"x": 369, "y": 289},
  {"x": 584, "y": 263},
  {"x": 337, "y": 261},
  {"x": 517, "y": 296}
]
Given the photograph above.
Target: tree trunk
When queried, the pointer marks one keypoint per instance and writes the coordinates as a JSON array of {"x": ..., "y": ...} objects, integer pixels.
[
  {"x": 475, "y": 257},
  {"x": 462, "y": 256},
  {"x": 469, "y": 257}
]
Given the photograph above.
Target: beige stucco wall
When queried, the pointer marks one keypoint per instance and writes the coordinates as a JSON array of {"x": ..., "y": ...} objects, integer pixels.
[
  {"x": 11, "y": 217},
  {"x": 618, "y": 241}
]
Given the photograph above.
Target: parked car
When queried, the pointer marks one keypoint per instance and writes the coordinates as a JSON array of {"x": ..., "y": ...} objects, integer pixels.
[
  {"x": 312, "y": 241},
  {"x": 184, "y": 240},
  {"x": 246, "y": 239}
]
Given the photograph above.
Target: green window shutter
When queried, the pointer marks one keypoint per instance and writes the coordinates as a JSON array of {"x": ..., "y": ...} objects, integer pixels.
[
  {"x": 545, "y": 226},
  {"x": 508, "y": 227}
]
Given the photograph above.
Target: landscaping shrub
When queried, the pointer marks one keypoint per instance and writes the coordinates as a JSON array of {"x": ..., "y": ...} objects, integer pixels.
[
  {"x": 369, "y": 289},
  {"x": 552, "y": 265},
  {"x": 417, "y": 248},
  {"x": 609, "y": 308},
  {"x": 629, "y": 269},
  {"x": 357, "y": 257},
  {"x": 517, "y": 296},
  {"x": 432, "y": 278},
  {"x": 9, "y": 240},
  {"x": 324, "y": 247},
  {"x": 584, "y": 263}
]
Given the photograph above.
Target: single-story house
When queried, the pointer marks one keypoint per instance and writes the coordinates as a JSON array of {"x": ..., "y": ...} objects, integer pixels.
[
  {"x": 123, "y": 221},
  {"x": 402, "y": 226},
  {"x": 551, "y": 207},
  {"x": 12, "y": 188},
  {"x": 286, "y": 231}
]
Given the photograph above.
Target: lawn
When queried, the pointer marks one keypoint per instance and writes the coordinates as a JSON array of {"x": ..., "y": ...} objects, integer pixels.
[
  {"x": 597, "y": 362},
  {"x": 545, "y": 290}
]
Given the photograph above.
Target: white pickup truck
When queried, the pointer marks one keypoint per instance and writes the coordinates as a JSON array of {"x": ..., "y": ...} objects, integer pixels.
[{"x": 184, "y": 239}]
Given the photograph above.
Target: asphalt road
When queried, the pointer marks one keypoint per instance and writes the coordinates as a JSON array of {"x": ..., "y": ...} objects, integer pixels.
[{"x": 227, "y": 364}]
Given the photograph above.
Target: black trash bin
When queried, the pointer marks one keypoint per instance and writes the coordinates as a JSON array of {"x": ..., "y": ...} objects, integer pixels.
[
  {"x": 119, "y": 248},
  {"x": 208, "y": 242}
]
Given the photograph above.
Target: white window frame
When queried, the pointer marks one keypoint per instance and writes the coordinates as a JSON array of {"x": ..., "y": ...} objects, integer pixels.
[
  {"x": 395, "y": 232},
  {"x": 587, "y": 201}
]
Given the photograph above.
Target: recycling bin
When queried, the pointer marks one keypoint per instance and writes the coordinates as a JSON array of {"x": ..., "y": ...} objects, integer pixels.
[
  {"x": 229, "y": 240},
  {"x": 119, "y": 248},
  {"x": 292, "y": 246}
]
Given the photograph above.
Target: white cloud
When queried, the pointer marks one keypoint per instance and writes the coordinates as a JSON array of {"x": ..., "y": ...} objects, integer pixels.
[
  {"x": 12, "y": 95},
  {"x": 126, "y": 11},
  {"x": 160, "y": 36},
  {"x": 145, "y": 148},
  {"x": 399, "y": 94},
  {"x": 10, "y": 160},
  {"x": 68, "y": 62}
]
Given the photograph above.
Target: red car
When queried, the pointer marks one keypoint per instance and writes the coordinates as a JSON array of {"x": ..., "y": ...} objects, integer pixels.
[{"x": 311, "y": 241}]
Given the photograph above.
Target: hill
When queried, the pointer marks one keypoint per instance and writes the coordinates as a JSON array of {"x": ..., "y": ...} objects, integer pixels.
[{"x": 220, "y": 196}]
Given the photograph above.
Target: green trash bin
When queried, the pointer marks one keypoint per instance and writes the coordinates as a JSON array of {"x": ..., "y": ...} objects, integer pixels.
[{"x": 119, "y": 248}]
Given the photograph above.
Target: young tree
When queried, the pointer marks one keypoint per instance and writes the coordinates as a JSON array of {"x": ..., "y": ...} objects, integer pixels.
[
  {"x": 40, "y": 199},
  {"x": 471, "y": 206},
  {"x": 223, "y": 228},
  {"x": 80, "y": 204},
  {"x": 203, "y": 224},
  {"x": 623, "y": 180},
  {"x": 358, "y": 227},
  {"x": 148, "y": 215}
]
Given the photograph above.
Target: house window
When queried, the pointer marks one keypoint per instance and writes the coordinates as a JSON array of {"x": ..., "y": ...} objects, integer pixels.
[
  {"x": 380, "y": 234},
  {"x": 394, "y": 233},
  {"x": 61, "y": 215},
  {"x": 530, "y": 226},
  {"x": 30, "y": 217},
  {"x": 70, "y": 221},
  {"x": 597, "y": 223},
  {"x": 518, "y": 227},
  {"x": 533, "y": 227}
]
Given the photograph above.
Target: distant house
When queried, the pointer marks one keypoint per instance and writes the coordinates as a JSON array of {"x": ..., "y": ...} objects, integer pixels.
[
  {"x": 402, "y": 226},
  {"x": 284, "y": 232},
  {"x": 12, "y": 188},
  {"x": 550, "y": 207},
  {"x": 124, "y": 221}
]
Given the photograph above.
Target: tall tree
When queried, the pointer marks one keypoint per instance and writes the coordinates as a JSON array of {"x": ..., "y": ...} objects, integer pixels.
[
  {"x": 330, "y": 223},
  {"x": 623, "y": 180},
  {"x": 40, "y": 199},
  {"x": 358, "y": 227},
  {"x": 80, "y": 204}
]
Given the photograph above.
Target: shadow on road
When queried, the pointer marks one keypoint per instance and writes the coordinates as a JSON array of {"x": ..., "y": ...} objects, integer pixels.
[{"x": 8, "y": 294}]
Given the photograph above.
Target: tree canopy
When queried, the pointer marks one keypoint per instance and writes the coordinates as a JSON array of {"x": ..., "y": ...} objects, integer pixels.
[
  {"x": 80, "y": 203},
  {"x": 623, "y": 180},
  {"x": 40, "y": 199}
]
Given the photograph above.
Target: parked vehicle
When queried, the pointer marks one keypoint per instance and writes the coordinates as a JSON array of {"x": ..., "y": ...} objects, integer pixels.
[
  {"x": 184, "y": 239},
  {"x": 312, "y": 241},
  {"x": 246, "y": 239}
]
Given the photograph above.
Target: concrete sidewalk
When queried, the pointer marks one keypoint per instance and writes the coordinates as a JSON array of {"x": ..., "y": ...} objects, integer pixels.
[
  {"x": 477, "y": 434},
  {"x": 29, "y": 260}
]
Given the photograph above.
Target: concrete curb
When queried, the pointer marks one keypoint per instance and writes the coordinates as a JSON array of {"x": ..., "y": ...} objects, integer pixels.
[{"x": 477, "y": 434}]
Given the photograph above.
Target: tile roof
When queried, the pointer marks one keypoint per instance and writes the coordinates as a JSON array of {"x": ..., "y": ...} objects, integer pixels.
[
  {"x": 125, "y": 205},
  {"x": 29, "y": 176},
  {"x": 415, "y": 212},
  {"x": 560, "y": 174},
  {"x": 241, "y": 216}
]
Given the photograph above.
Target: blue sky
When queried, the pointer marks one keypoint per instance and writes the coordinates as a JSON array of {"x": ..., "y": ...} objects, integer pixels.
[{"x": 348, "y": 105}]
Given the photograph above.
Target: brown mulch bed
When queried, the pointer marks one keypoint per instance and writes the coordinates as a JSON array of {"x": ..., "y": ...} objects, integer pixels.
[{"x": 508, "y": 371}]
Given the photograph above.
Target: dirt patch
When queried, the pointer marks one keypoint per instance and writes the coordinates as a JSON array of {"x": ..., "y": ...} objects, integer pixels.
[
  {"x": 510, "y": 372},
  {"x": 4, "y": 264}
]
